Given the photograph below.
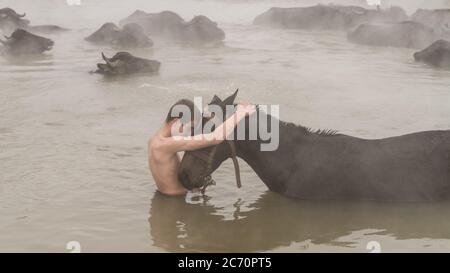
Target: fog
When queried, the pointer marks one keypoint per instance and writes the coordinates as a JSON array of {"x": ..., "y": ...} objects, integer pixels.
[
  {"x": 412, "y": 5},
  {"x": 230, "y": 11}
]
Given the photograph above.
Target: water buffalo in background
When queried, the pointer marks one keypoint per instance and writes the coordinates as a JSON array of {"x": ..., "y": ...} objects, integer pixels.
[
  {"x": 22, "y": 42},
  {"x": 406, "y": 34},
  {"x": 438, "y": 19},
  {"x": 317, "y": 165},
  {"x": 123, "y": 63},
  {"x": 130, "y": 36},
  {"x": 171, "y": 26},
  {"x": 437, "y": 54},
  {"x": 323, "y": 17},
  {"x": 10, "y": 20}
]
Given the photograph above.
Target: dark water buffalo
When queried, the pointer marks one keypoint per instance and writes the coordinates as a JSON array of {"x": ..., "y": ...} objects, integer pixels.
[
  {"x": 123, "y": 63},
  {"x": 322, "y": 17},
  {"x": 437, "y": 54},
  {"x": 438, "y": 19},
  {"x": 327, "y": 166},
  {"x": 407, "y": 34},
  {"x": 170, "y": 25},
  {"x": 22, "y": 42},
  {"x": 130, "y": 36},
  {"x": 10, "y": 20}
]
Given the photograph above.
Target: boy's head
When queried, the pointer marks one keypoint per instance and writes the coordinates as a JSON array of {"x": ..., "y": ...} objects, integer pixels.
[{"x": 182, "y": 116}]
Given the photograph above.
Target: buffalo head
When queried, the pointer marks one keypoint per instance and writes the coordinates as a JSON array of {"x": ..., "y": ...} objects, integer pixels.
[
  {"x": 124, "y": 63},
  {"x": 22, "y": 42}
]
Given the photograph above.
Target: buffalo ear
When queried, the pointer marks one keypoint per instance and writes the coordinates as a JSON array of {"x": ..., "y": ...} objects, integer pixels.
[
  {"x": 215, "y": 100},
  {"x": 230, "y": 99}
]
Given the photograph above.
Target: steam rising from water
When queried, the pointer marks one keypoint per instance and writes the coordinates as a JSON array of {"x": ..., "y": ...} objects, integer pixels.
[{"x": 235, "y": 11}]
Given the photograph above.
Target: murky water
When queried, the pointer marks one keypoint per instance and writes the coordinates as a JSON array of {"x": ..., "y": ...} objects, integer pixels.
[{"x": 73, "y": 156}]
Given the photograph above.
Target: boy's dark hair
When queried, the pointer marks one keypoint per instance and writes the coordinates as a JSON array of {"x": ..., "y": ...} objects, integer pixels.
[{"x": 192, "y": 108}]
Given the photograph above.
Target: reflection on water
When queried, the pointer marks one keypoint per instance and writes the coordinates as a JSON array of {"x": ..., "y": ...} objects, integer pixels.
[
  {"x": 73, "y": 157},
  {"x": 275, "y": 222}
]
